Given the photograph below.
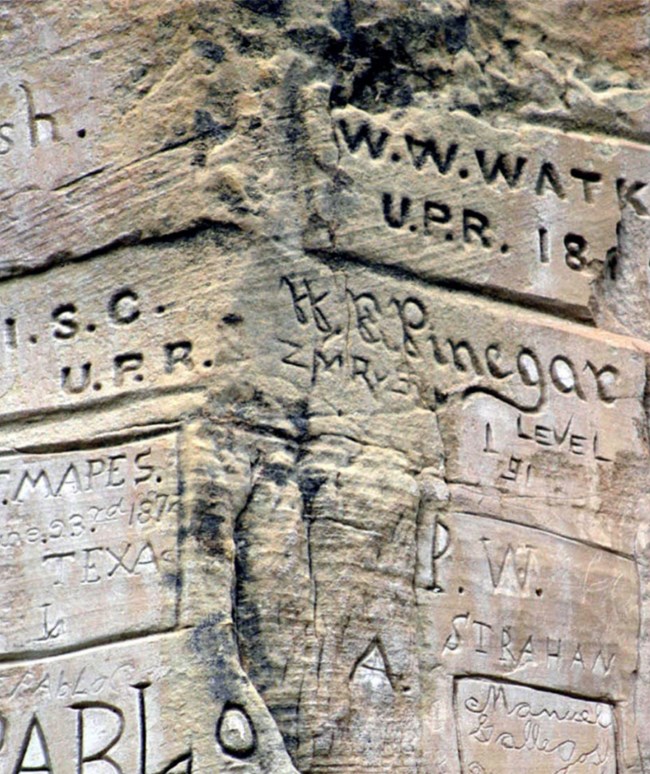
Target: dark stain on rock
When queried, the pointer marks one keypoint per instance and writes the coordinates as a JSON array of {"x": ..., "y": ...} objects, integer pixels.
[
  {"x": 210, "y": 50},
  {"x": 207, "y": 521},
  {"x": 248, "y": 619},
  {"x": 456, "y": 33},
  {"x": 207, "y": 530},
  {"x": 343, "y": 21},
  {"x": 276, "y": 472},
  {"x": 271, "y": 8},
  {"x": 310, "y": 486},
  {"x": 206, "y": 126},
  {"x": 173, "y": 580},
  {"x": 299, "y": 417},
  {"x": 208, "y": 641}
]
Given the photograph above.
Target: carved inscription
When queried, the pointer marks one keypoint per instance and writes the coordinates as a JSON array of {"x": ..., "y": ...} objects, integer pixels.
[
  {"x": 99, "y": 334},
  {"x": 523, "y": 374},
  {"x": 516, "y": 450},
  {"x": 29, "y": 124},
  {"x": 500, "y": 608},
  {"x": 520, "y": 402},
  {"x": 122, "y": 709},
  {"x": 82, "y": 526},
  {"x": 47, "y": 127},
  {"x": 535, "y": 212},
  {"x": 504, "y": 728}
]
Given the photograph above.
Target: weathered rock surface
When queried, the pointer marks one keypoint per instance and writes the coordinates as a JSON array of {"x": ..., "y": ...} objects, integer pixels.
[{"x": 324, "y": 342}]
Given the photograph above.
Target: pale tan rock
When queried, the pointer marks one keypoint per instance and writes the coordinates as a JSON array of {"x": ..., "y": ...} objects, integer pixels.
[
  {"x": 323, "y": 365},
  {"x": 118, "y": 542},
  {"x": 524, "y": 213},
  {"x": 569, "y": 733}
]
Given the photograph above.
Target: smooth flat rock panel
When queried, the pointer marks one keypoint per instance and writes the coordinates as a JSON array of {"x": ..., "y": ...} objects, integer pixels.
[
  {"x": 500, "y": 608},
  {"x": 83, "y": 526},
  {"x": 503, "y": 726},
  {"x": 98, "y": 334},
  {"x": 530, "y": 214},
  {"x": 140, "y": 707}
]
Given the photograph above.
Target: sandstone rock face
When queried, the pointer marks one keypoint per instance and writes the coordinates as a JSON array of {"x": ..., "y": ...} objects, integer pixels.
[{"x": 324, "y": 346}]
